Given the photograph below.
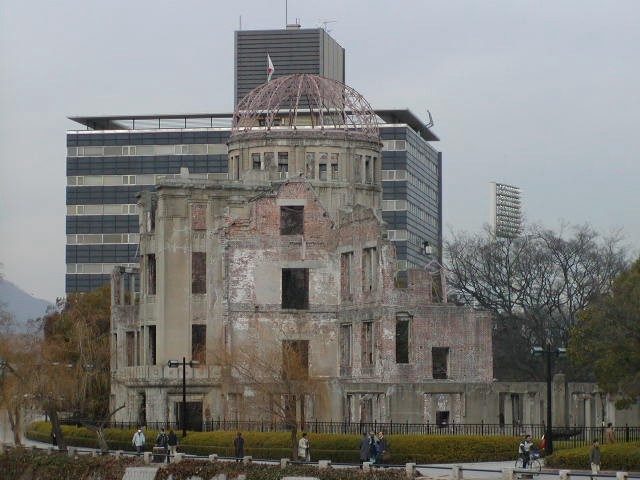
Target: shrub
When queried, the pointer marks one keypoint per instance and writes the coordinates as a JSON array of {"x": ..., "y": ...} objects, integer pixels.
[
  {"x": 20, "y": 463},
  {"x": 189, "y": 468},
  {"x": 619, "y": 456},
  {"x": 335, "y": 447}
]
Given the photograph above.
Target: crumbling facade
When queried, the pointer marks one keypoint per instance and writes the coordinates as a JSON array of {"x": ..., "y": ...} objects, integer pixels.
[
  {"x": 281, "y": 284},
  {"x": 288, "y": 252}
]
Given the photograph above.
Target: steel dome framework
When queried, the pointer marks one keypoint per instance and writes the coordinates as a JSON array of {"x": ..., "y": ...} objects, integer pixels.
[{"x": 305, "y": 101}]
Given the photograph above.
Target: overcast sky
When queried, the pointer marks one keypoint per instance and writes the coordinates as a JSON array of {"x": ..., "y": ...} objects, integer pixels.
[{"x": 543, "y": 95}]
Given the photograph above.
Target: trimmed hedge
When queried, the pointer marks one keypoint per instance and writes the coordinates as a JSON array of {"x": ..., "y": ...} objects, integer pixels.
[
  {"x": 21, "y": 463},
  {"x": 337, "y": 448},
  {"x": 190, "y": 468},
  {"x": 619, "y": 456}
]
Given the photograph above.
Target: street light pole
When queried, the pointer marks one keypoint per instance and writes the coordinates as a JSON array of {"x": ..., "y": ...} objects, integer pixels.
[
  {"x": 184, "y": 397},
  {"x": 176, "y": 364},
  {"x": 548, "y": 431},
  {"x": 548, "y": 354}
]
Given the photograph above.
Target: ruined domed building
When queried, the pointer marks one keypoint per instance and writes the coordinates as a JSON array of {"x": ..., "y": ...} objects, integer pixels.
[{"x": 281, "y": 283}]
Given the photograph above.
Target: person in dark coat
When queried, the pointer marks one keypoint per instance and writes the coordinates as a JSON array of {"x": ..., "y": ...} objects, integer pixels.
[
  {"x": 238, "y": 445},
  {"x": 364, "y": 449},
  {"x": 383, "y": 448},
  {"x": 373, "y": 447},
  {"x": 172, "y": 441}
]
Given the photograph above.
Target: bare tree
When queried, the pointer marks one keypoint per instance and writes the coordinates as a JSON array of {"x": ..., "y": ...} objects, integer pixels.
[
  {"x": 277, "y": 374},
  {"x": 534, "y": 285}
]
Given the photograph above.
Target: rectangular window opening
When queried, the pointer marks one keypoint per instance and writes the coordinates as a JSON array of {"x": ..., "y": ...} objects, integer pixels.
[
  {"x": 440, "y": 360},
  {"x": 346, "y": 265},
  {"x": 199, "y": 343},
  {"x": 345, "y": 347},
  {"x": 198, "y": 272},
  {"x": 151, "y": 330},
  {"x": 322, "y": 171},
  {"x": 130, "y": 344},
  {"x": 295, "y": 288},
  {"x": 402, "y": 340},
  {"x": 291, "y": 220},
  {"x": 369, "y": 269},
  {"x": 151, "y": 274},
  {"x": 283, "y": 161},
  {"x": 255, "y": 161},
  {"x": 367, "y": 344}
]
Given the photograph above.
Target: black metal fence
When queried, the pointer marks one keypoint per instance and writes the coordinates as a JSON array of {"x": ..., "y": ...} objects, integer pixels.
[{"x": 568, "y": 436}]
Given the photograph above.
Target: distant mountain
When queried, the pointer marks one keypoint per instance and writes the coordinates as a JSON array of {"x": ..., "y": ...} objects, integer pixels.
[{"x": 23, "y": 306}]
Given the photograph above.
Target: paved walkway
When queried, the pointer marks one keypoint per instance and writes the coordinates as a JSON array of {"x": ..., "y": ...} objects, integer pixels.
[{"x": 140, "y": 473}]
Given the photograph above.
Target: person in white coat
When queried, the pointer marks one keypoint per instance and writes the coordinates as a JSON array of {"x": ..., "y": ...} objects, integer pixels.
[{"x": 138, "y": 441}]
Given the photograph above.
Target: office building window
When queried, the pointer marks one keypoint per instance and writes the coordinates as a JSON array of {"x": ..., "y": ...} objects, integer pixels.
[
  {"x": 295, "y": 288},
  {"x": 198, "y": 272},
  {"x": 291, "y": 220},
  {"x": 130, "y": 345}
]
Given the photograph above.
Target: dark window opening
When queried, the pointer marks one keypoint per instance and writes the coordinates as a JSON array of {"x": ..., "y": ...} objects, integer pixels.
[
  {"x": 440, "y": 359},
  {"x": 151, "y": 330},
  {"x": 295, "y": 288},
  {"x": 255, "y": 161},
  {"x": 291, "y": 220},
  {"x": 368, "y": 169},
  {"x": 151, "y": 274},
  {"x": 198, "y": 272},
  {"x": 367, "y": 344},
  {"x": 322, "y": 171},
  {"x": 295, "y": 359},
  {"x": 402, "y": 340},
  {"x": 199, "y": 343},
  {"x": 442, "y": 418},
  {"x": 283, "y": 161}
]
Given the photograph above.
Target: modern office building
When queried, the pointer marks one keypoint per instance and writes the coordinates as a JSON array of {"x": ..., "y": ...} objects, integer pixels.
[
  {"x": 293, "y": 50},
  {"x": 111, "y": 159},
  {"x": 505, "y": 215}
]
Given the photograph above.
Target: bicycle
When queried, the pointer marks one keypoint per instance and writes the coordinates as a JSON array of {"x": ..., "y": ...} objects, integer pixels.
[{"x": 533, "y": 465}]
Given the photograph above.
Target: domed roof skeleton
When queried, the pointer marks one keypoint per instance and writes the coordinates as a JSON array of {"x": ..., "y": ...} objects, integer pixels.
[{"x": 326, "y": 103}]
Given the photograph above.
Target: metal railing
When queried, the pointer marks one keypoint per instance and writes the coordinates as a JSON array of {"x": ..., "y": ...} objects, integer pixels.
[{"x": 569, "y": 436}]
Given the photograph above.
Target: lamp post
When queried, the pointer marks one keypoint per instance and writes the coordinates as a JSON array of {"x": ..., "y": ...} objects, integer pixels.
[
  {"x": 549, "y": 353},
  {"x": 176, "y": 364}
]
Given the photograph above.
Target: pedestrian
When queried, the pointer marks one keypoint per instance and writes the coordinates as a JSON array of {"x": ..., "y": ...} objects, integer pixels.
[
  {"x": 383, "y": 449},
  {"x": 373, "y": 447},
  {"x": 611, "y": 434},
  {"x": 238, "y": 446},
  {"x": 524, "y": 450},
  {"x": 303, "y": 448},
  {"x": 162, "y": 441},
  {"x": 594, "y": 458},
  {"x": 138, "y": 441},
  {"x": 172, "y": 441},
  {"x": 364, "y": 449}
]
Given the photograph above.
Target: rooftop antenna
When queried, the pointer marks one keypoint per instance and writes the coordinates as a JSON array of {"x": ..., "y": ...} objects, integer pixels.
[
  {"x": 286, "y": 13},
  {"x": 325, "y": 23}
]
